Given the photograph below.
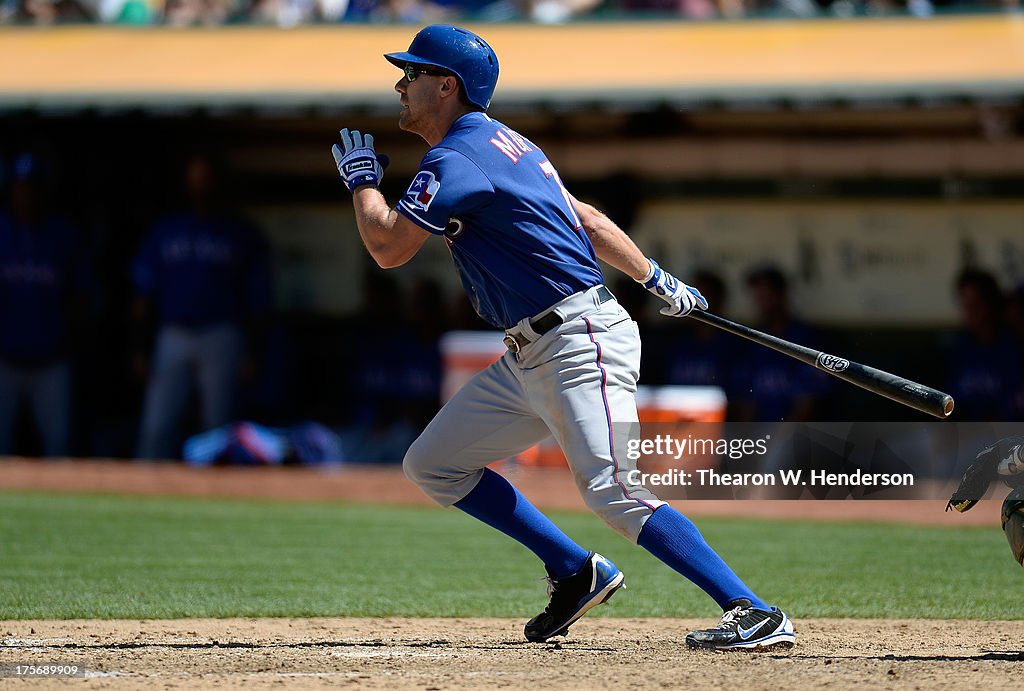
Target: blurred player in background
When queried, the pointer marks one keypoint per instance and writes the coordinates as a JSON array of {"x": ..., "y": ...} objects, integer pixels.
[
  {"x": 203, "y": 277},
  {"x": 705, "y": 356},
  {"x": 985, "y": 375},
  {"x": 527, "y": 253},
  {"x": 45, "y": 287},
  {"x": 770, "y": 386}
]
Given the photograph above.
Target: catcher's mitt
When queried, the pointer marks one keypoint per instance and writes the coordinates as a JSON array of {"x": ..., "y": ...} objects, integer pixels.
[{"x": 998, "y": 461}]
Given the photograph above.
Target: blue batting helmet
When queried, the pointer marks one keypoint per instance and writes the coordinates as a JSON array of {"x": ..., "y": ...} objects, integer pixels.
[{"x": 459, "y": 51}]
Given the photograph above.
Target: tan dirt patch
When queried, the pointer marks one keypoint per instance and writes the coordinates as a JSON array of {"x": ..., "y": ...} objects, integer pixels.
[
  {"x": 491, "y": 653},
  {"x": 548, "y": 488}
]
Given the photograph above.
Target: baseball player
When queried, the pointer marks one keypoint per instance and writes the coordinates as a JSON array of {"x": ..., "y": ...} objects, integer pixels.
[
  {"x": 204, "y": 275},
  {"x": 46, "y": 285},
  {"x": 526, "y": 251},
  {"x": 1003, "y": 461}
]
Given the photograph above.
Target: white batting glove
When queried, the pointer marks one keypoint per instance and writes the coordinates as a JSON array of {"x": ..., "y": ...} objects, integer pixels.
[
  {"x": 358, "y": 163},
  {"x": 681, "y": 298}
]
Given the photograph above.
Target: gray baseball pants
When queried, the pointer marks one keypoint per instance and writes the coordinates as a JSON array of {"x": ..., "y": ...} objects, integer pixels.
[{"x": 576, "y": 382}]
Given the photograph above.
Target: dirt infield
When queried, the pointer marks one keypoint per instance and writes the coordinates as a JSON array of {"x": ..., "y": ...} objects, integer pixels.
[
  {"x": 486, "y": 653},
  {"x": 491, "y": 653},
  {"x": 547, "y": 488}
]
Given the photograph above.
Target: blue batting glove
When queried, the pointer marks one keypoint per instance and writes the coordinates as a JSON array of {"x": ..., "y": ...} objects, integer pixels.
[
  {"x": 681, "y": 298},
  {"x": 358, "y": 163}
]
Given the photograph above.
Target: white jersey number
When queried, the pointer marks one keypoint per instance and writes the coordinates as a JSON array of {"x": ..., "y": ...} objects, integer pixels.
[{"x": 552, "y": 174}]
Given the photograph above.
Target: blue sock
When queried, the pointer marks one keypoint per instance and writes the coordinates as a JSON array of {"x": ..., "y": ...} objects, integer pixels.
[
  {"x": 673, "y": 538},
  {"x": 500, "y": 505}
]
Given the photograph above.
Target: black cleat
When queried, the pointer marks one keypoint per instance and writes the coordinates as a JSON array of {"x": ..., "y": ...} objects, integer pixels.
[
  {"x": 744, "y": 626},
  {"x": 573, "y": 596}
]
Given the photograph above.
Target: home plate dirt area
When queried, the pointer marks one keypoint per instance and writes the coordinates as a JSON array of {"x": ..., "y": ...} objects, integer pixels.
[
  {"x": 491, "y": 653},
  {"x": 428, "y": 654}
]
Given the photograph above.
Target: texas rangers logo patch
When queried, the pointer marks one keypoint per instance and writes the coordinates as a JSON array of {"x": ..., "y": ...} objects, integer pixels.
[{"x": 422, "y": 191}]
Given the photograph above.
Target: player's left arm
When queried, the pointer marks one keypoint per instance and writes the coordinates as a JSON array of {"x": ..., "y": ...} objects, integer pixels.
[
  {"x": 610, "y": 243},
  {"x": 613, "y": 246}
]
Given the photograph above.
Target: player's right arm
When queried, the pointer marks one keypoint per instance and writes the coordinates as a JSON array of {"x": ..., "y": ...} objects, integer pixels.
[{"x": 390, "y": 238}]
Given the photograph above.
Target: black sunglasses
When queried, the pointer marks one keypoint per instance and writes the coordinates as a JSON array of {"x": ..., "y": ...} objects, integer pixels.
[{"x": 414, "y": 71}]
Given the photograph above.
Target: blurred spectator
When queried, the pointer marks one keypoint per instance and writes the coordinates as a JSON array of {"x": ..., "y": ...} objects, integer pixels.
[
  {"x": 130, "y": 11},
  {"x": 428, "y": 11},
  {"x": 200, "y": 12},
  {"x": 689, "y": 9},
  {"x": 203, "y": 277},
  {"x": 288, "y": 13},
  {"x": 947, "y": 6},
  {"x": 295, "y": 12},
  {"x": 45, "y": 12},
  {"x": 770, "y": 386},
  {"x": 394, "y": 11},
  {"x": 916, "y": 8},
  {"x": 558, "y": 11},
  {"x": 45, "y": 282},
  {"x": 704, "y": 355},
  {"x": 481, "y": 10},
  {"x": 984, "y": 363}
]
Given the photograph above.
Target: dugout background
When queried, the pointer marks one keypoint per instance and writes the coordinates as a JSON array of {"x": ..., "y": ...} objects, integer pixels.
[{"x": 871, "y": 159}]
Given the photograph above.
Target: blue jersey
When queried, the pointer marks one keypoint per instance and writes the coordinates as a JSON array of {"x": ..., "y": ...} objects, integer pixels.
[
  {"x": 43, "y": 273},
  {"x": 513, "y": 232},
  {"x": 204, "y": 271}
]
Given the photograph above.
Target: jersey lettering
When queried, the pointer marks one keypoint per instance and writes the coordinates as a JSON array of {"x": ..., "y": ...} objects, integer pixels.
[
  {"x": 552, "y": 174},
  {"x": 512, "y": 144}
]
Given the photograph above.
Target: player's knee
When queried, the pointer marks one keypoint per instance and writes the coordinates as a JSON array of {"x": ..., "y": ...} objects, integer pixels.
[
  {"x": 418, "y": 465},
  {"x": 434, "y": 473},
  {"x": 425, "y": 465}
]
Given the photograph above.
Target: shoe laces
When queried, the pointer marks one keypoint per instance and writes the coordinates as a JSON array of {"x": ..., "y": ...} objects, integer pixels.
[
  {"x": 732, "y": 617},
  {"x": 555, "y": 595},
  {"x": 551, "y": 586}
]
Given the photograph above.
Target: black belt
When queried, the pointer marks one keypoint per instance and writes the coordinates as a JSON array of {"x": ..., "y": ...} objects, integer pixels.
[{"x": 541, "y": 325}]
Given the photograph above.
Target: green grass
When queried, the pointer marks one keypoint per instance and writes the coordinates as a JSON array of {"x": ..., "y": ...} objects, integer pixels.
[{"x": 72, "y": 556}]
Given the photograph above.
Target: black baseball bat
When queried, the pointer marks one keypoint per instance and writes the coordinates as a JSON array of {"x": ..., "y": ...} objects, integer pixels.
[{"x": 909, "y": 393}]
